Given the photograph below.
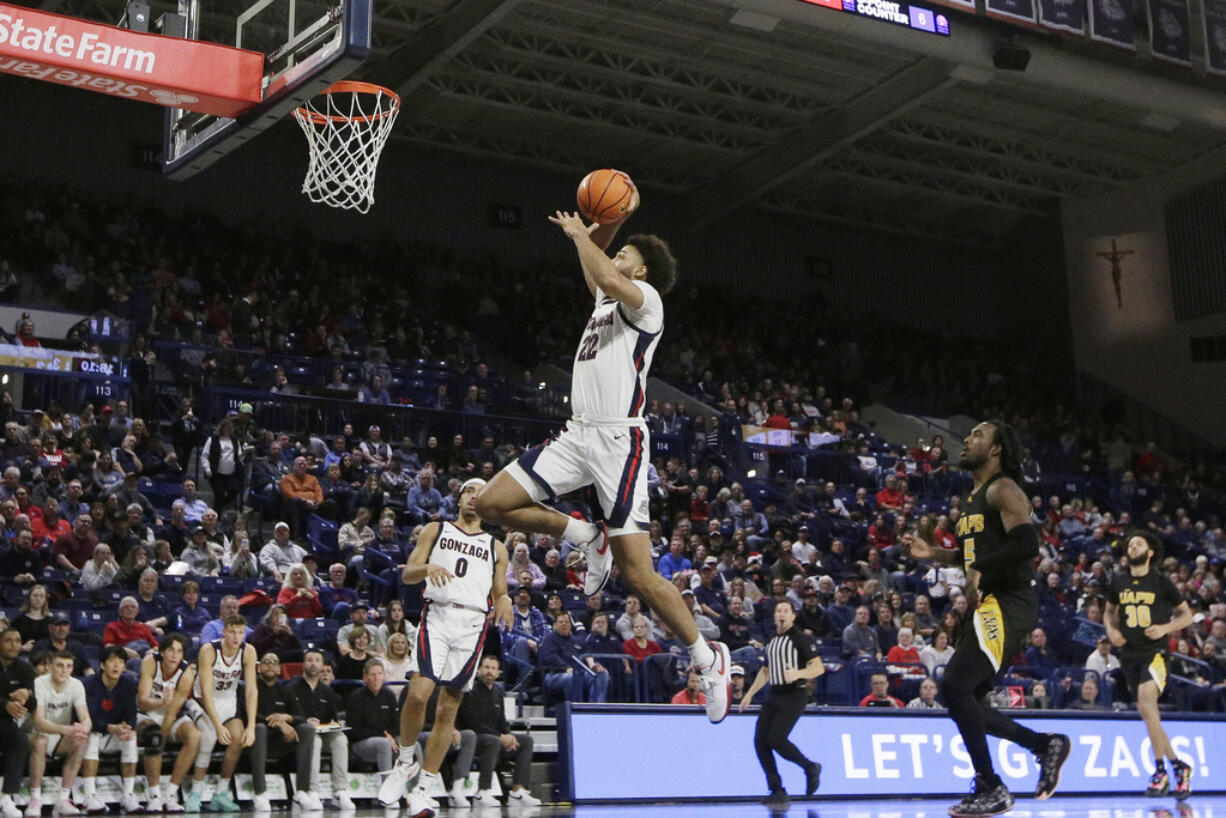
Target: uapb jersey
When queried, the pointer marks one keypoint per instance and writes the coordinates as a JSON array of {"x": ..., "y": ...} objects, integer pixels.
[
  {"x": 470, "y": 559},
  {"x": 609, "y": 379},
  {"x": 1150, "y": 599}
]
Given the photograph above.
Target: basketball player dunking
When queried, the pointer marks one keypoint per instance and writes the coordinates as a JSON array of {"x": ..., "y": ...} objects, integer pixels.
[
  {"x": 605, "y": 443},
  {"x": 462, "y": 567},
  {"x": 997, "y": 545}
]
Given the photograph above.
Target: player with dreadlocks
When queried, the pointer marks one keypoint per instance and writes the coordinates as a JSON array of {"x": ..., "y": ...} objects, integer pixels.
[{"x": 997, "y": 546}]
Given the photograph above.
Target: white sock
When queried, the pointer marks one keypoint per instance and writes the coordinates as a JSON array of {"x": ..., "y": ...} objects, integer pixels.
[
  {"x": 579, "y": 531},
  {"x": 90, "y": 786},
  {"x": 701, "y": 654},
  {"x": 168, "y": 791},
  {"x": 426, "y": 782},
  {"x": 408, "y": 753},
  {"x": 129, "y": 785}
]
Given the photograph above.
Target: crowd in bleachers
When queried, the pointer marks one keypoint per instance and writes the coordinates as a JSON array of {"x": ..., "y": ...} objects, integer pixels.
[{"x": 107, "y": 542}]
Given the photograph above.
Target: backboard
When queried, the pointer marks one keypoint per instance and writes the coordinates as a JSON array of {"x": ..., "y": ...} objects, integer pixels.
[{"x": 307, "y": 45}]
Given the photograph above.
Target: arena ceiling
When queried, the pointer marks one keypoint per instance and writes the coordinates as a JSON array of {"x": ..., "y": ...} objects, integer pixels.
[{"x": 770, "y": 104}]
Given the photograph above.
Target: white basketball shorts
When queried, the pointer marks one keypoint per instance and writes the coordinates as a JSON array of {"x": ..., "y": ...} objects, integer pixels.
[{"x": 449, "y": 644}]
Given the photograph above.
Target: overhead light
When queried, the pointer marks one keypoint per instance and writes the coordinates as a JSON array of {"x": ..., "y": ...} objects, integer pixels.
[{"x": 751, "y": 473}]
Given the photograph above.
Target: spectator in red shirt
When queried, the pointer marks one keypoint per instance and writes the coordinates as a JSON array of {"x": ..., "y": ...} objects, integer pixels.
[
  {"x": 301, "y": 601},
  {"x": 778, "y": 418},
  {"x": 692, "y": 692},
  {"x": 639, "y": 647},
  {"x": 700, "y": 507},
  {"x": 880, "y": 697},
  {"x": 891, "y": 497},
  {"x": 133, "y": 636},
  {"x": 905, "y": 650},
  {"x": 25, "y": 334},
  {"x": 72, "y": 550},
  {"x": 49, "y": 526}
]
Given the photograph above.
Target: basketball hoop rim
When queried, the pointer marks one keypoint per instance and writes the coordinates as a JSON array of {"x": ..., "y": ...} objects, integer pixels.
[{"x": 351, "y": 87}]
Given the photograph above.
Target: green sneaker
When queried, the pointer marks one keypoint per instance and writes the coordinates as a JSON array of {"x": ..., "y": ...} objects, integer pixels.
[
  {"x": 191, "y": 802},
  {"x": 222, "y": 801}
]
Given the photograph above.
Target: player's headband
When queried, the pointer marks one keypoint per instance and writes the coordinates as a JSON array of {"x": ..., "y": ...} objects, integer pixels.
[{"x": 472, "y": 481}]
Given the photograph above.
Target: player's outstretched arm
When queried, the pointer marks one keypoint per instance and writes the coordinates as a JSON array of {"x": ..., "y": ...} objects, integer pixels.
[{"x": 598, "y": 269}]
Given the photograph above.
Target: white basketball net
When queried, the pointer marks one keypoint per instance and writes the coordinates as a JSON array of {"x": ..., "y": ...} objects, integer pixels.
[{"x": 346, "y": 128}]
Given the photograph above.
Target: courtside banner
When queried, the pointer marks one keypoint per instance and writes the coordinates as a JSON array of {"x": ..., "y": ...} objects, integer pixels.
[
  {"x": 863, "y": 752},
  {"x": 211, "y": 79}
]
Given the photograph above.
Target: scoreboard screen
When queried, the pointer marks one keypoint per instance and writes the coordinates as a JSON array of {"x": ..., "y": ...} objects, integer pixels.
[{"x": 910, "y": 15}]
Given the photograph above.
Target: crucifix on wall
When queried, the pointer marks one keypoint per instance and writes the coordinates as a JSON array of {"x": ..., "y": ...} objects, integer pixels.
[{"x": 1117, "y": 274}]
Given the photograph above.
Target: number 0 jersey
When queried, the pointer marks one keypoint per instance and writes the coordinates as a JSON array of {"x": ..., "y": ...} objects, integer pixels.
[
  {"x": 471, "y": 559},
  {"x": 609, "y": 379},
  {"x": 1140, "y": 602}
]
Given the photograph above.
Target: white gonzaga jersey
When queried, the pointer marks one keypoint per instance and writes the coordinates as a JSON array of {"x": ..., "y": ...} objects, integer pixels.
[
  {"x": 470, "y": 558},
  {"x": 610, "y": 373},
  {"x": 163, "y": 689},
  {"x": 59, "y": 706},
  {"x": 226, "y": 674}
]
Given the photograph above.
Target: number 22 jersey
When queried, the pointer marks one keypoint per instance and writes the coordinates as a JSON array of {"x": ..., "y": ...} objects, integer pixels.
[{"x": 609, "y": 379}]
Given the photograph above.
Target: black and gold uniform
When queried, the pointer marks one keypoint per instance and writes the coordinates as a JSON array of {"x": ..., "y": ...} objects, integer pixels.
[
  {"x": 1008, "y": 602},
  {"x": 1139, "y": 602}
]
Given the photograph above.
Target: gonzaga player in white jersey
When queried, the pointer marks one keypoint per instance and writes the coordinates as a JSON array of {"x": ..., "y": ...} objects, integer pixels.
[
  {"x": 224, "y": 663},
  {"x": 463, "y": 568},
  {"x": 605, "y": 444},
  {"x": 165, "y": 706}
]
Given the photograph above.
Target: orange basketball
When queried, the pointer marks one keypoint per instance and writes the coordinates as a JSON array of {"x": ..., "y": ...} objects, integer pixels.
[{"x": 604, "y": 196}]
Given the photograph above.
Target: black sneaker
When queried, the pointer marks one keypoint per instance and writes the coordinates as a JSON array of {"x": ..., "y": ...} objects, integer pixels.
[
  {"x": 1183, "y": 780},
  {"x": 813, "y": 778},
  {"x": 1051, "y": 760},
  {"x": 983, "y": 800},
  {"x": 778, "y": 800},
  {"x": 1159, "y": 783}
]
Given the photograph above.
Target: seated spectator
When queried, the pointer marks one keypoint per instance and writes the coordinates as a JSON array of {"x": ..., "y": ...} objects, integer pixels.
[
  {"x": 301, "y": 494},
  {"x": 859, "y": 639},
  {"x": 1038, "y": 698},
  {"x": 927, "y": 698},
  {"x": 49, "y": 526},
  {"x": 369, "y": 713},
  {"x": 482, "y": 712},
  {"x": 564, "y": 672},
  {"x": 890, "y": 497},
  {"x": 1088, "y": 700},
  {"x": 359, "y": 617},
  {"x": 193, "y": 507},
  {"x": 692, "y": 693},
  {"x": 640, "y": 645},
  {"x": 71, "y": 550},
  {"x": 394, "y": 621},
  {"x": 905, "y": 650},
  {"x": 189, "y": 617},
  {"x": 300, "y": 599},
  {"x": 35, "y": 617},
  {"x": 397, "y": 658},
  {"x": 127, "y": 632},
  {"x": 352, "y": 663},
  {"x": 530, "y": 627},
  {"x": 519, "y": 562},
  {"x": 22, "y": 564},
  {"x": 58, "y": 641},
  {"x": 737, "y": 630},
  {"x": 355, "y": 534},
  {"x": 202, "y": 557},
  {"x": 154, "y": 609},
  {"x": 238, "y": 560},
  {"x": 938, "y": 653},
  {"x": 280, "y": 554},
  {"x": 228, "y": 608},
  {"x": 674, "y": 561},
  {"x": 1102, "y": 661},
  {"x": 111, "y": 697},
  {"x": 334, "y": 596},
  {"x": 424, "y": 502},
  {"x": 275, "y": 636},
  {"x": 880, "y": 695},
  {"x": 1038, "y": 655},
  {"x": 556, "y": 578}
]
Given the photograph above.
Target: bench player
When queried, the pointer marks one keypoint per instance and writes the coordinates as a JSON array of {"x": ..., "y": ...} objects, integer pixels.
[
  {"x": 224, "y": 663},
  {"x": 606, "y": 443},
  {"x": 1143, "y": 609},
  {"x": 462, "y": 567},
  {"x": 165, "y": 707}
]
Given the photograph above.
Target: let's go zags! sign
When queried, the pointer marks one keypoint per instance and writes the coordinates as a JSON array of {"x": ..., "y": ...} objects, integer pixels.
[{"x": 211, "y": 79}]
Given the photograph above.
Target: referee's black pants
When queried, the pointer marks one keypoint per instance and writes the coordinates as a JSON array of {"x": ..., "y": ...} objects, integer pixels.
[
  {"x": 16, "y": 744},
  {"x": 778, "y": 716}
]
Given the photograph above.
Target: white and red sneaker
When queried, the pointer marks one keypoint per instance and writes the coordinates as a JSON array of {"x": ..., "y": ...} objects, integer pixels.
[
  {"x": 717, "y": 683},
  {"x": 599, "y": 561}
]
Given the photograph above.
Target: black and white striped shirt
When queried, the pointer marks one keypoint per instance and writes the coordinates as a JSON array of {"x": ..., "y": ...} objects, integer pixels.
[{"x": 792, "y": 649}]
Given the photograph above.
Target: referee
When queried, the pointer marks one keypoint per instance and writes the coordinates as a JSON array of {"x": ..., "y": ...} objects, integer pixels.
[{"x": 791, "y": 661}]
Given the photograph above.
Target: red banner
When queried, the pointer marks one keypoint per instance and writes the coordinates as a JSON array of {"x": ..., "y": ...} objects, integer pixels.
[{"x": 211, "y": 79}]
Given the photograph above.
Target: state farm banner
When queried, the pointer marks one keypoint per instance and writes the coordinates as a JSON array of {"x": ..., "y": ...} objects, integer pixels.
[
  {"x": 1111, "y": 22},
  {"x": 1063, "y": 15},
  {"x": 211, "y": 79},
  {"x": 1012, "y": 9},
  {"x": 1215, "y": 35},
  {"x": 1168, "y": 31}
]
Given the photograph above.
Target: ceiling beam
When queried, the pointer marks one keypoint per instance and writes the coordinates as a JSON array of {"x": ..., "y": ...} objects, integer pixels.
[
  {"x": 425, "y": 52},
  {"x": 821, "y": 138}
]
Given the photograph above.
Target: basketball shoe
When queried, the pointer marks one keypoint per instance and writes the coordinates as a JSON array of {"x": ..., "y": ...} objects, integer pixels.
[{"x": 717, "y": 683}]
